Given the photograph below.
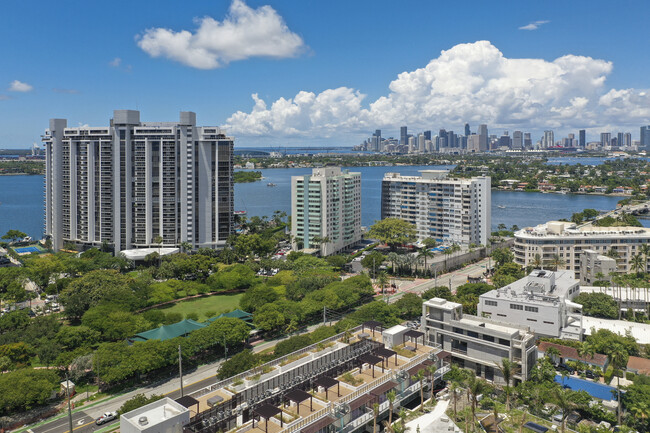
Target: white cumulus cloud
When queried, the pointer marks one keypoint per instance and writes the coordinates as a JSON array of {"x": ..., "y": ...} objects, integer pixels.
[
  {"x": 244, "y": 33},
  {"x": 19, "y": 86},
  {"x": 471, "y": 82},
  {"x": 534, "y": 25}
]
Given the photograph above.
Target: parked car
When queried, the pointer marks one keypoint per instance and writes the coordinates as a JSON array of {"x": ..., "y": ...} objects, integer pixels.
[
  {"x": 565, "y": 368},
  {"x": 107, "y": 417}
]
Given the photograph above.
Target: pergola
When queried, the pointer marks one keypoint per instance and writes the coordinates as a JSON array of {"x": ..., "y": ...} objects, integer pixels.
[
  {"x": 298, "y": 396},
  {"x": 372, "y": 360},
  {"x": 412, "y": 334},
  {"x": 386, "y": 353},
  {"x": 267, "y": 411},
  {"x": 188, "y": 401},
  {"x": 372, "y": 325},
  {"x": 328, "y": 382}
]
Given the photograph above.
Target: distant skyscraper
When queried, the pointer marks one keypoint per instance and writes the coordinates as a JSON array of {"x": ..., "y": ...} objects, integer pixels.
[
  {"x": 376, "y": 141},
  {"x": 403, "y": 135},
  {"x": 620, "y": 139},
  {"x": 128, "y": 183},
  {"x": 421, "y": 141},
  {"x": 549, "y": 140},
  {"x": 627, "y": 139},
  {"x": 504, "y": 140},
  {"x": 411, "y": 141},
  {"x": 517, "y": 140},
  {"x": 442, "y": 139},
  {"x": 528, "y": 142},
  {"x": 427, "y": 135},
  {"x": 451, "y": 139},
  {"x": 583, "y": 138},
  {"x": 605, "y": 139},
  {"x": 468, "y": 132},
  {"x": 483, "y": 137},
  {"x": 644, "y": 137}
]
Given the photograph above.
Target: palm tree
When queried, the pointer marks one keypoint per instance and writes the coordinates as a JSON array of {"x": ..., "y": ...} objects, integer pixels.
[
  {"x": 537, "y": 262},
  {"x": 587, "y": 350},
  {"x": 563, "y": 399},
  {"x": 556, "y": 262},
  {"x": 475, "y": 387},
  {"x": 375, "y": 412},
  {"x": 637, "y": 263},
  {"x": 447, "y": 253},
  {"x": 424, "y": 254},
  {"x": 186, "y": 246},
  {"x": 400, "y": 426},
  {"x": 553, "y": 353},
  {"x": 382, "y": 279},
  {"x": 431, "y": 370},
  {"x": 419, "y": 376},
  {"x": 618, "y": 357},
  {"x": 645, "y": 250},
  {"x": 507, "y": 369},
  {"x": 159, "y": 241},
  {"x": 391, "y": 395},
  {"x": 393, "y": 258},
  {"x": 453, "y": 388}
]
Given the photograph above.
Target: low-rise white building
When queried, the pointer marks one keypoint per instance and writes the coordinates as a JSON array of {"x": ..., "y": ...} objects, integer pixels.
[
  {"x": 161, "y": 416},
  {"x": 541, "y": 301}
]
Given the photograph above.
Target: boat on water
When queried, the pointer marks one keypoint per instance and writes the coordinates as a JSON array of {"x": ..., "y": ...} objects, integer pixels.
[
  {"x": 271, "y": 184},
  {"x": 500, "y": 206}
]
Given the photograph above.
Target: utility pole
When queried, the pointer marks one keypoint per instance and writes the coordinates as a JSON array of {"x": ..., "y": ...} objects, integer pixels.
[
  {"x": 225, "y": 348},
  {"x": 67, "y": 391},
  {"x": 180, "y": 368},
  {"x": 324, "y": 315}
]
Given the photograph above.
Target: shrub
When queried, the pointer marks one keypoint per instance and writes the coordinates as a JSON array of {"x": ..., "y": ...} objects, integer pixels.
[{"x": 137, "y": 401}]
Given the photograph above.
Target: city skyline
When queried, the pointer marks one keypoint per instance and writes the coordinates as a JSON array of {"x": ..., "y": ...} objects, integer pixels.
[{"x": 296, "y": 80}]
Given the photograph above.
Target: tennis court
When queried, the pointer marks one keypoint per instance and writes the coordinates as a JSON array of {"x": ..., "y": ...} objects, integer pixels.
[{"x": 26, "y": 250}]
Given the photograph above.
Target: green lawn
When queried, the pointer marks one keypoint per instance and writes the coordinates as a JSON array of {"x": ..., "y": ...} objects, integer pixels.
[{"x": 216, "y": 303}]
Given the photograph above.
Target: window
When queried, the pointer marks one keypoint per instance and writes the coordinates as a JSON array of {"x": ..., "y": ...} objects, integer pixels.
[
  {"x": 504, "y": 342},
  {"x": 532, "y": 309},
  {"x": 516, "y": 307},
  {"x": 472, "y": 334},
  {"x": 549, "y": 323},
  {"x": 488, "y": 338},
  {"x": 458, "y": 330},
  {"x": 532, "y": 320},
  {"x": 491, "y": 303}
]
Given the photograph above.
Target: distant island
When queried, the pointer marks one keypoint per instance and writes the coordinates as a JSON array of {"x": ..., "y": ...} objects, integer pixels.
[
  {"x": 247, "y": 176},
  {"x": 9, "y": 168}
]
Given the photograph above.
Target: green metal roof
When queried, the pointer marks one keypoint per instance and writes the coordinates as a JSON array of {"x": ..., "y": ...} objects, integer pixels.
[
  {"x": 167, "y": 332},
  {"x": 235, "y": 314}
]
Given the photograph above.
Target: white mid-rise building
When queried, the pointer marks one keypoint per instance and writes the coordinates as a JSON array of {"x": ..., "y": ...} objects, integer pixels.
[
  {"x": 130, "y": 182},
  {"x": 541, "y": 301},
  {"x": 326, "y": 205},
  {"x": 443, "y": 208},
  {"x": 595, "y": 267},
  {"x": 568, "y": 241}
]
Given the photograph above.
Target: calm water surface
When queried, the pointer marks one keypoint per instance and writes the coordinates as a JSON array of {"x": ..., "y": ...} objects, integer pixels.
[{"x": 21, "y": 199}]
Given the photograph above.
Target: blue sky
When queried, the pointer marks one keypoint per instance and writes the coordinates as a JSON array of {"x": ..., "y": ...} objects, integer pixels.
[{"x": 326, "y": 72}]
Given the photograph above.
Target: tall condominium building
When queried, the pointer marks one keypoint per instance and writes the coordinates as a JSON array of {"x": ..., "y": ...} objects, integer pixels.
[
  {"x": 442, "y": 208},
  {"x": 568, "y": 242},
  {"x": 528, "y": 141},
  {"x": 483, "y": 137},
  {"x": 583, "y": 138},
  {"x": 468, "y": 131},
  {"x": 130, "y": 182},
  {"x": 326, "y": 204},
  {"x": 403, "y": 135}
]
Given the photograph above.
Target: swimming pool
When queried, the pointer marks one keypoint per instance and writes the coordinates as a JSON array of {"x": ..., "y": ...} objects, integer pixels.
[{"x": 597, "y": 390}]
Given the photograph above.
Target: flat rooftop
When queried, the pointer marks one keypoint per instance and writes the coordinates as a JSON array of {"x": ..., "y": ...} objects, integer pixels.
[
  {"x": 154, "y": 413},
  {"x": 567, "y": 229},
  {"x": 540, "y": 287}
]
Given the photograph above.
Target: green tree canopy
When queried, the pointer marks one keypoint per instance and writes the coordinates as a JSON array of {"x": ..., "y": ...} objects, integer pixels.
[
  {"x": 393, "y": 232},
  {"x": 598, "y": 305}
]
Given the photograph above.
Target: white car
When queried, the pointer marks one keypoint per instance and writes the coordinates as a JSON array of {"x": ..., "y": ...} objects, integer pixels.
[{"x": 107, "y": 417}]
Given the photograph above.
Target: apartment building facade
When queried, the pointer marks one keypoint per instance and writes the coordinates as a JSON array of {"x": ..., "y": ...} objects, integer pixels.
[
  {"x": 131, "y": 182},
  {"x": 326, "y": 205},
  {"x": 440, "y": 207},
  {"x": 594, "y": 267},
  {"x": 568, "y": 241},
  {"x": 478, "y": 343},
  {"x": 541, "y": 301}
]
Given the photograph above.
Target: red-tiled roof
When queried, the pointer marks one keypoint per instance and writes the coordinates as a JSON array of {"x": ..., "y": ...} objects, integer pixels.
[
  {"x": 572, "y": 353},
  {"x": 640, "y": 365}
]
